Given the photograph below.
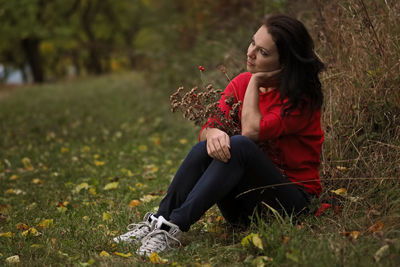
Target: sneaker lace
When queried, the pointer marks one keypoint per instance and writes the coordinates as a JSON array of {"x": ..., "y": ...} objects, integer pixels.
[
  {"x": 137, "y": 226},
  {"x": 156, "y": 239}
]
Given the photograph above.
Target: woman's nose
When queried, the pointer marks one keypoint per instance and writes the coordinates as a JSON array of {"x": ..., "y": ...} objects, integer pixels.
[{"x": 250, "y": 52}]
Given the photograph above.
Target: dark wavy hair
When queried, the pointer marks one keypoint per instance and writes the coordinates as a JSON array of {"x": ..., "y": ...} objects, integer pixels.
[{"x": 299, "y": 81}]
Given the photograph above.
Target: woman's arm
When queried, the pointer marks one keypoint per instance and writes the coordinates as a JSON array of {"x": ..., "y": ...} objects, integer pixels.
[{"x": 251, "y": 114}]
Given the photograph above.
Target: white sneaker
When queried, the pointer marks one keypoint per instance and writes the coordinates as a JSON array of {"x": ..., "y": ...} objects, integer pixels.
[
  {"x": 164, "y": 236},
  {"x": 137, "y": 231}
]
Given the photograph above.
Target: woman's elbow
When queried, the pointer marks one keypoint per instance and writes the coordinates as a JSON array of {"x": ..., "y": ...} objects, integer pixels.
[{"x": 251, "y": 134}]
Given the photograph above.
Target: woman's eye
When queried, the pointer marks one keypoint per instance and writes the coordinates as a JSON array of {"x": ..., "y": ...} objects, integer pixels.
[{"x": 262, "y": 52}]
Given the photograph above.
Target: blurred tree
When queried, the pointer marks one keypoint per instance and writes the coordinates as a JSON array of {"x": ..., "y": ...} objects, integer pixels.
[
  {"x": 47, "y": 35},
  {"x": 24, "y": 24},
  {"x": 98, "y": 36}
]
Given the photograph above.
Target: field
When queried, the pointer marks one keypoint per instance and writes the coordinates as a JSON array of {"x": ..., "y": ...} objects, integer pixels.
[{"x": 81, "y": 159}]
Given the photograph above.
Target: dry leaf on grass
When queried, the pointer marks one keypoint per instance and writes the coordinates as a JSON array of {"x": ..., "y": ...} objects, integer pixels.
[
  {"x": 155, "y": 258},
  {"x": 353, "y": 235},
  {"x": 340, "y": 191},
  {"x": 127, "y": 255},
  {"x": 376, "y": 227},
  {"x": 134, "y": 203},
  {"x": 13, "y": 259},
  {"x": 104, "y": 254},
  {"x": 110, "y": 186}
]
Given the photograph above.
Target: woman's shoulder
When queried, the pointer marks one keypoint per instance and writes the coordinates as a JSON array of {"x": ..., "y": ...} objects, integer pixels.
[
  {"x": 243, "y": 77},
  {"x": 241, "y": 81}
]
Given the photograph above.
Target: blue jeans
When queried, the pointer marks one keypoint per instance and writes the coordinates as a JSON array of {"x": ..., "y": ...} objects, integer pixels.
[{"x": 202, "y": 181}]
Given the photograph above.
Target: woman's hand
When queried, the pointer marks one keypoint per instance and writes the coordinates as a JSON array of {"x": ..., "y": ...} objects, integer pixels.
[
  {"x": 218, "y": 144},
  {"x": 267, "y": 79}
]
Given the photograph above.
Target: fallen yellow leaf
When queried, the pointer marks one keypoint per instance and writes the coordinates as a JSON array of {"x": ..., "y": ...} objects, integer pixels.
[
  {"x": 27, "y": 164},
  {"x": 64, "y": 150},
  {"x": 14, "y": 177},
  {"x": 157, "y": 140},
  {"x": 7, "y": 234},
  {"x": 80, "y": 187},
  {"x": 92, "y": 191},
  {"x": 31, "y": 232},
  {"x": 37, "y": 181},
  {"x": 155, "y": 258},
  {"x": 36, "y": 246},
  {"x": 15, "y": 191},
  {"x": 9, "y": 191},
  {"x": 98, "y": 163},
  {"x": 106, "y": 216},
  {"x": 88, "y": 263},
  {"x": 110, "y": 186},
  {"x": 261, "y": 261},
  {"x": 353, "y": 235},
  {"x": 257, "y": 242},
  {"x": 380, "y": 253},
  {"x": 340, "y": 191},
  {"x": 183, "y": 141},
  {"x": 376, "y": 227},
  {"x": 122, "y": 254},
  {"x": 104, "y": 254},
  {"x": 62, "y": 209},
  {"x": 147, "y": 198},
  {"x": 134, "y": 203},
  {"x": 22, "y": 226},
  {"x": 341, "y": 168},
  {"x": 246, "y": 240},
  {"x": 151, "y": 168},
  {"x": 46, "y": 223},
  {"x": 13, "y": 259}
]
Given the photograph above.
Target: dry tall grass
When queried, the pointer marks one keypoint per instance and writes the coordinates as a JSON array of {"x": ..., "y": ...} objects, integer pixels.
[{"x": 359, "y": 40}]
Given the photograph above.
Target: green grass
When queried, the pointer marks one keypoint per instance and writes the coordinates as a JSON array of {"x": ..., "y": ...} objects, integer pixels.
[{"x": 64, "y": 129}]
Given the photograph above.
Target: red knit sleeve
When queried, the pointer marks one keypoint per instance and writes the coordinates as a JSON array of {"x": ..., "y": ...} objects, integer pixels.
[{"x": 273, "y": 125}]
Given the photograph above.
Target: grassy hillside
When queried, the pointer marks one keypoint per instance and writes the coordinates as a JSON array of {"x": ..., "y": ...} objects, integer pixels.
[{"x": 74, "y": 156}]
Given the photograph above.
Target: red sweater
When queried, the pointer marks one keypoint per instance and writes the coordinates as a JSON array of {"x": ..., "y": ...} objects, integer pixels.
[{"x": 294, "y": 141}]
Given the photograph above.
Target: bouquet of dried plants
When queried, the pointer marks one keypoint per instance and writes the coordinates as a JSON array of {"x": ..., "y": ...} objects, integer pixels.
[{"x": 202, "y": 105}]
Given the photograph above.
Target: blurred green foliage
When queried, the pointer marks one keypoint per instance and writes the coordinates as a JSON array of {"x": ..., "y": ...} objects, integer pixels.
[{"x": 100, "y": 36}]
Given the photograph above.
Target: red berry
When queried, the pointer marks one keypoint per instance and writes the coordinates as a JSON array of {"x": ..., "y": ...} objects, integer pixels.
[{"x": 201, "y": 68}]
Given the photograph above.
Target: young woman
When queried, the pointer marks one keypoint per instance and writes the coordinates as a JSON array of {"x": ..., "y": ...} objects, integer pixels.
[{"x": 282, "y": 97}]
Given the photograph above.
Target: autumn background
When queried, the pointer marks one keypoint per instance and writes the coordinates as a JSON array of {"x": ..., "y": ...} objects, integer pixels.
[{"x": 88, "y": 145}]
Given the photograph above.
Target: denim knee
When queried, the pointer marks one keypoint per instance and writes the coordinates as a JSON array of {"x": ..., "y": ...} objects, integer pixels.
[
  {"x": 200, "y": 148},
  {"x": 241, "y": 141},
  {"x": 198, "y": 152}
]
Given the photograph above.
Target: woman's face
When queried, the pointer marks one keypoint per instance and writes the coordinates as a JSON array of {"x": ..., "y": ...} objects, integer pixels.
[{"x": 262, "y": 54}]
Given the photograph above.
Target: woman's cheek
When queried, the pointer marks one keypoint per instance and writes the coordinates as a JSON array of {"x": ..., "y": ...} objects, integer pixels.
[{"x": 270, "y": 66}]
